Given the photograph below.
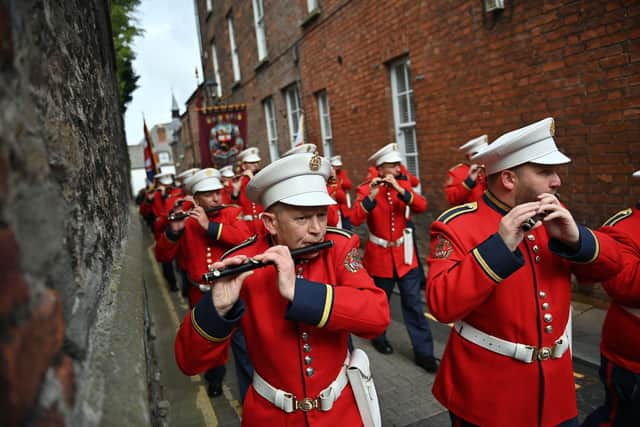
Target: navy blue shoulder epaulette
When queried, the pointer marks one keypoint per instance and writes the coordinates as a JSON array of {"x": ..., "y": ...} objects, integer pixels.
[
  {"x": 244, "y": 244},
  {"x": 626, "y": 213},
  {"x": 340, "y": 231},
  {"x": 456, "y": 211}
]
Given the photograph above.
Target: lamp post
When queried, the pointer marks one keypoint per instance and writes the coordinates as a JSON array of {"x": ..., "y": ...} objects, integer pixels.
[{"x": 210, "y": 87}]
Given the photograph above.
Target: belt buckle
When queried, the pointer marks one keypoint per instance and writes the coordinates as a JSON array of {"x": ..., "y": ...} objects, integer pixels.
[
  {"x": 306, "y": 404},
  {"x": 203, "y": 287},
  {"x": 542, "y": 353}
]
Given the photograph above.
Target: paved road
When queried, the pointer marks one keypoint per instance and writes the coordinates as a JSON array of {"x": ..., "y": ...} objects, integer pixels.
[{"x": 404, "y": 389}]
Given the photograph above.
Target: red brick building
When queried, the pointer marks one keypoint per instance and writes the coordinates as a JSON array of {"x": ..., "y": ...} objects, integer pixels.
[{"x": 434, "y": 74}]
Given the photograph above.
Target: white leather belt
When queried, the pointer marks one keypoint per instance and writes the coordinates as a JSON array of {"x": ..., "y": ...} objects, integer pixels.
[
  {"x": 290, "y": 403},
  {"x": 522, "y": 352},
  {"x": 385, "y": 243},
  {"x": 632, "y": 310}
]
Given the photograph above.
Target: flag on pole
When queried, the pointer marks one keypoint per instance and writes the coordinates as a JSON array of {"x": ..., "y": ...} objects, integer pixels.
[
  {"x": 300, "y": 135},
  {"x": 150, "y": 160}
]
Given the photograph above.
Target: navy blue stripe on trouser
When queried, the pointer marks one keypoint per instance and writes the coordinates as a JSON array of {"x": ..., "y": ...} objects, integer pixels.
[
  {"x": 621, "y": 406},
  {"x": 412, "y": 310}
]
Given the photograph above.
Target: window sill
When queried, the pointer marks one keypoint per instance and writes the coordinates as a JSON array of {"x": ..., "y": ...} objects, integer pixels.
[
  {"x": 312, "y": 16},
  {"x": 262, "y": 64},
  {"x": 236, "y": 84}
]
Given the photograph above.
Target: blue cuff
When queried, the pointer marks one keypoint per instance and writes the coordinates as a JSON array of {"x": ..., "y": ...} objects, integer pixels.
[
  {"x": 408, "y": 196},
  {"x": 312, "y": 303},
  {"x": 469, "y": 183},
  {"x": 496, "y": 260},
  {"x": 209, "y": 324},
  {"x": 588, "y": 247},
  {"x": 368, "y": 204},
  {"x": 214, "y": 230}
]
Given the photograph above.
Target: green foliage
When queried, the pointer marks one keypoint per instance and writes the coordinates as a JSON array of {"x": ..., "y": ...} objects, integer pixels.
[{"x": 124, "y": 28}]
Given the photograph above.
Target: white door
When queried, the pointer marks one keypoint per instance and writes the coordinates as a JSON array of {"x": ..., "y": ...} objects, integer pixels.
[{"x": 404, "y": 114}]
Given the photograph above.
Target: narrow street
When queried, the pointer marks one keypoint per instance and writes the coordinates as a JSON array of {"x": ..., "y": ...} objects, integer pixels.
[{"x": 403, "y": 388}]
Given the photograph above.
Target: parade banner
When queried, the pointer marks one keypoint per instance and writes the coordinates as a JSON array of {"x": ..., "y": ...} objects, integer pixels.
[
  {"x": 223, "y": 134},
  {"x": 150, "y": 159}
]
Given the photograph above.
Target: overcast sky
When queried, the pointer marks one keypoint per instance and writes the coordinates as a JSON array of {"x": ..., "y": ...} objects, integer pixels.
[{"x": 167, "y": 56}]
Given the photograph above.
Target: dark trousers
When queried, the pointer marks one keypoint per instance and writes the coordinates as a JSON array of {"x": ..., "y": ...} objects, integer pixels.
[
  {"x": 185, "y": 285},
  {"x": 621, "y": 406},
  {"x": 459, "y": 422},
  {"x": 169, "y": 275},
  {"x": 412, "y": 310}
]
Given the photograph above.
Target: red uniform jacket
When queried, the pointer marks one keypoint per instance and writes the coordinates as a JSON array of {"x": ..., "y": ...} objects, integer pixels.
[
  {"x": 621, "y": 329},
  {"x": 333, "y": 211},
  {"x": 334, "y": 296},
  {"x": 199, "y": 248},
  {"x": 474, "y": 277},
  {"x": 460, "y": 189},
  {"x": 344, "y": 183},
  {"x": 162, "y": 205},
  {"x": 385, "y": 217},
  {"x": 250, "y": 210}
]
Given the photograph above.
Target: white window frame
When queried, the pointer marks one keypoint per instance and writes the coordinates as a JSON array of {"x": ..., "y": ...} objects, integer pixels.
[
  {"x": 216, "y": 70},
  {"x": 272, "y": 128},
  {"x": 261, "y": 37},
  {"x": 209, "y": 6},
  {"x": 405, "y": 127},
  {"x": 325, "y": 124},
  {"x": 312, "y": 5},
  {"x": 233, "y": 49},
  {"x": 294, "y": 111}
]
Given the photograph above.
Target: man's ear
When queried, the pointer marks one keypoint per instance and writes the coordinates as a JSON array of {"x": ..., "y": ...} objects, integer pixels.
[
  {"x": 270, "y": 221},
  {"x": 508, "y": 178}
]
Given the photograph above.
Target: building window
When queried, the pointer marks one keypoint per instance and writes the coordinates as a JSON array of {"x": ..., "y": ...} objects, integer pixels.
[
  {"x": 404, "y": 114},
  {"x": 272, "y": 130},
  {"x": 293, "y": 112},
  {"x": 235, "y": 59},
  {"x": 312, "y": 5},
  {"x": 325, "y": 124},
  {"x": 216, "y": 70},
  {"x": 261, "y": 38},
  {"x": 164, "y": 157},
  {"x": 209, "y": 6}
]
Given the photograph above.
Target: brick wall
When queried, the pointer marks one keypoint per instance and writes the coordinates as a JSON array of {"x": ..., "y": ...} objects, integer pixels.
[
  {"x": 259, "y": 81},
  {"x": 476, "y": 73},
  {"x": 63, "y": 201},
  {"x": 472, "y": 73}
]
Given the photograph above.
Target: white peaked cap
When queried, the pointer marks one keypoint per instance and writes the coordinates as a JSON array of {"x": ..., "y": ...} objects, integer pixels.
[
  {"x": 206, "y": 180},
  {"x": 250, "y": 155},
  {"x": 302, "y": 148},
  {"x": 636, "y": 174},
  {"x": 336, "y": 161},
  {"x": 475, "y": 145},
  {"x": 227, "y": 171},
  {"x": 186, "y": 174},
  {"x": 531, "y": 144},
  {"x": 298, "y": 180},
  {"x": 387, "y": 154},
  {"x": 188, "y": 182},
  {"x": 165, "y": 178}
]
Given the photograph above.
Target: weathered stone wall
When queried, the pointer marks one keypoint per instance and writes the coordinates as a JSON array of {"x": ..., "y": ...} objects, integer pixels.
[{"x": 63, "y": 201}]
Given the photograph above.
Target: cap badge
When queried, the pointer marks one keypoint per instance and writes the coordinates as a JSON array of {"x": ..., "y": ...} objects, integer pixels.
[
  {"x": 209, "y": 172},
  {"x": 552, "y": 128},
  {"x": 314, "y": 162},
  {"x": 394, "y": 147}
]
